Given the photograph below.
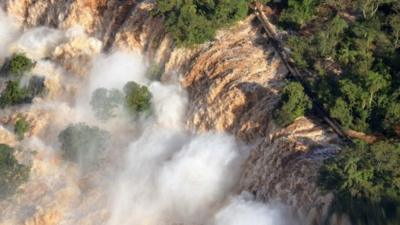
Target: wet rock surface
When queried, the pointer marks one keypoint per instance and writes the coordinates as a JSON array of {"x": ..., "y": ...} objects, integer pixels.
[{"x": 233, "y": 84}]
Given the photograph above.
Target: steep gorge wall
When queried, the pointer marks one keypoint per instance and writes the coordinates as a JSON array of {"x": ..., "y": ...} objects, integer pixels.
[{"x": 233, "y": 85}]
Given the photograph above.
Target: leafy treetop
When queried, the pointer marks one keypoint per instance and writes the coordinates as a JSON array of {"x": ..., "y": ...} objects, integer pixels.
[
  {"x": 12, "y": 173},
  {"x": 21, "y": 127},
  {"x": 193, "y": 22},
  {"x": 20, "y": 64},
  {"x": 83, "y": 144},
  {"x": 293, "y": 104},
  {"x": 137, "y": 97}
]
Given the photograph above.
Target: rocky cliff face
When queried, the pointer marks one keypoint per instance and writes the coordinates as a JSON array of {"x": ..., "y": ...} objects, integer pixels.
[{"x": 233, "y": 85}]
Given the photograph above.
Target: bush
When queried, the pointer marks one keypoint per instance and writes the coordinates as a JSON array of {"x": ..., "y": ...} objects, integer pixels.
[
  {"x": 14, "y": 95},
  {"x": 300, "y": 48},
  {"x": 20, "y": 64},
  {"x": 21, "y": 127},
  {"x": 104, "y": 102},
  {"x": 355, "y": 72},
  {"x": 298, "y": 13},
  {"x": 12, "y": 174},
  {"x": 391, "y": 120},
  {"x": 83, "y": 144},
  {"x": 365, "y": 180},
  {"x": 137, "y": 97},
  {"x": 354, "y": 61},
  {"x": 293, "y": 104},
  {"x": 194, "y": 22}
]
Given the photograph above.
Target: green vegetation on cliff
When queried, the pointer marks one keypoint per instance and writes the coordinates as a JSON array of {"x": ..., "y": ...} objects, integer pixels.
[
  {"x": 366, "y": 181},
  {"x": 83, "y": 144},
  {"x": 352, "y": 48},
  {"x": 21, "y": 127},
  {"x": 14, "y": 93},
  {"x": 12, "y": 173},
  {"x": 196, "y": 21},
  {"x": 293, "y": 104},
  {"x": 137, "y": 97},
  {"x": 134, "y": 98},
  {"x": 20, "y": 64}
]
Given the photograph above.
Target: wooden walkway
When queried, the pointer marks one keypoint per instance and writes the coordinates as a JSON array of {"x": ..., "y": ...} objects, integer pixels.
[{"x": 295, "y": 73}]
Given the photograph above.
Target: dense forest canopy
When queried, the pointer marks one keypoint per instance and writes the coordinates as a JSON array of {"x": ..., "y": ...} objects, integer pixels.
[
  {"x": 352, "y": 50},
  {"x": 353, "y": 47}
]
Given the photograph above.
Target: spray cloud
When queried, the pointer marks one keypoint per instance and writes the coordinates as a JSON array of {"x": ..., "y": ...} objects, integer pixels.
[{"x": 156, "y": 172}]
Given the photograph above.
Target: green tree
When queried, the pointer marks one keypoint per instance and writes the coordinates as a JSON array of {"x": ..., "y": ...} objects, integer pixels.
[
  {"x": 370, "y": 7},
  {"x": 21, "y": 127},
  {"x": 366, "y": 180},
  {"x": 188, "y": 27},
  {"x": 352, "y": 58},
  {"x": 12, "y": 173},
  {"x": 391, "y": 120},
  {"x": 229, "y": 11},
  {"x": 342, "y": 112},
  {"x": 374, "y": 82},
  {"x": 300, "y": 48},
  {"x": 394, "y": 21},
  {"x": 105, "y": 102},
  {"x": 298, "y": 13},
  {"x": 196, "y": 21},
  {"x": 293, "y": 104},
  {"x": 83, "y": 144},
  {"x": 20, "y": 64},
  {"x": 328, "y": 39},
  {"x": 137, "y": 97},
  {"x": 13, "y": 95}
]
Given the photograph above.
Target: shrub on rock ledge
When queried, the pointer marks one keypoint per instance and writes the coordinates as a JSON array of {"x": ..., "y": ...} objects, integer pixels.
[
  {"x": 21, "y": 127},
  {"x": 12, "y": 173},
  {"x": 20, "y": 64},
  {"x": 293, "y": 104},
  {"x": 83, "y": 144},
  {"x": 137, "y": 97}
]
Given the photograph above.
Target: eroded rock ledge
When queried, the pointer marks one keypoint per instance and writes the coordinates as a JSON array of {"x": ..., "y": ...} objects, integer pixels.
[{"x": 233, "y": 85}]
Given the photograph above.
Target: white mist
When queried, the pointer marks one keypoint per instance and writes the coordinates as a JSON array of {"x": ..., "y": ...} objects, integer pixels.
[{"x": 158, "y": 173}]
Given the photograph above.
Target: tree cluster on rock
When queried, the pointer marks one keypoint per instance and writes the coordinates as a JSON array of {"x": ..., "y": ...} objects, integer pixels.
[
  {"x": 134, "y": 98},
  {"x": 14, "y": 93},
  {"x": 196, "y": 21},
  {"x": 293, "y": 104},
  {"x": 137, "y": 97},
  {"x": 356, "y": 61},
  {"x": 366, "y": 181},
  {"x": 17, "y": 65},
  {"x": 352, "y": 50},
  {"x": 12, "y": 173},
  {"x": 21, "y": 127},
  {"x": 83, "y": 144}
]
